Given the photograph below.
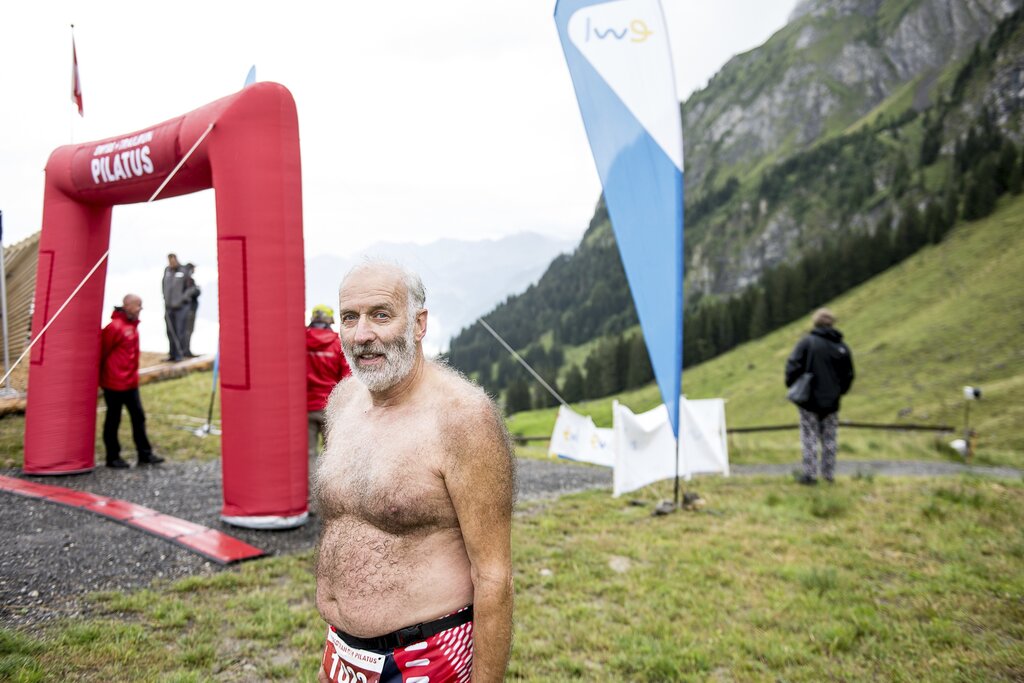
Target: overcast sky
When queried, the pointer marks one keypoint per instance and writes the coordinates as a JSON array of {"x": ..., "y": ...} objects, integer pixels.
[{"x": 418, "y": 120}]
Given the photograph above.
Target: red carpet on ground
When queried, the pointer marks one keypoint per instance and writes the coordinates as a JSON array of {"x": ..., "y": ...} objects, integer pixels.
[{"x": 210, "y": 543}]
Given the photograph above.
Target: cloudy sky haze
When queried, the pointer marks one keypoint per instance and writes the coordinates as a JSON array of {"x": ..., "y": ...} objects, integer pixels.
[{"x": 418, "y": 121}]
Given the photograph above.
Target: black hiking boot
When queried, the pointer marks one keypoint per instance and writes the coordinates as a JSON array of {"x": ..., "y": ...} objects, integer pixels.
[
  {"x": 117, "y": 464},
  {"x": 151, "y": 459},
  {"x": 807, "y": 480}
]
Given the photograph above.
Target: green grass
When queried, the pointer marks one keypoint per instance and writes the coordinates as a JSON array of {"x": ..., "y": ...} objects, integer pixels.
[
  {"x": 173, "y": 408},
  {"x": 255, "y": 622},
  {"x": 880, "y": 579},
  {"x": 951, "y": 315},
  {"x": 894, "y": 105}
]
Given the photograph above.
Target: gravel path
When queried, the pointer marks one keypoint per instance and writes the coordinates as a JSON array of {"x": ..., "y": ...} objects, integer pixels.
[{"x": 51, "y": 555}]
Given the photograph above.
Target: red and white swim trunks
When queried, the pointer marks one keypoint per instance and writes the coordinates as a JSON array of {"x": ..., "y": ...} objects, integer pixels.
[{"x": 437, "y": 651}]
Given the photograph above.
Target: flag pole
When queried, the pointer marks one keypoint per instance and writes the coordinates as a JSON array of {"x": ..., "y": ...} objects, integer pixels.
[
  {"x": 679, "y": 442},
  {"x": 76, "y": 85},
  {"x": 74, "y": 69},
  {"x": 679, "y": 306},
  {"x": 208, "y": 428}
]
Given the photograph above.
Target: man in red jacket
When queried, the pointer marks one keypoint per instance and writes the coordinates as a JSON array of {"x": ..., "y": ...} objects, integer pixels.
[
  {"x": 119, "y": 379},
  {"x": 325, "y": 367}
]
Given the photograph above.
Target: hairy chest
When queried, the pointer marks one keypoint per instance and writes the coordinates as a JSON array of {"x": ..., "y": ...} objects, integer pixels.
[{"x": 387, "y": 473}]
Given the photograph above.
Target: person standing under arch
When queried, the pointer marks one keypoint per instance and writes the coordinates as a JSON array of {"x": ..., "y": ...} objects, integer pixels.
[
  {"x": 192, "y": 293},
  {"x": 175, "y": 307},
  {"x": 119, "y": 379}
]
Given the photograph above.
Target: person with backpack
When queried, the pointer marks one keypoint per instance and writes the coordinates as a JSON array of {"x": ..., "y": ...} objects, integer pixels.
[{"x": 818, "y": 373}]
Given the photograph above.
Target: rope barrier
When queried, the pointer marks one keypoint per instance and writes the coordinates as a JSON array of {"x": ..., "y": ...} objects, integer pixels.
[{"x": 523, "y": 363}]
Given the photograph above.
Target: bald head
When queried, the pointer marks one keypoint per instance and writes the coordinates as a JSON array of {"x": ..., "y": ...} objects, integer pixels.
[
  {"x": 407, "y": 283},
  {"x": 132, "y": 304}
]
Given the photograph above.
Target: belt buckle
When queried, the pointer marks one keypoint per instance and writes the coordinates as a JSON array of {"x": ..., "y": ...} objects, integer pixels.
[{"x": 409, "y": 635}]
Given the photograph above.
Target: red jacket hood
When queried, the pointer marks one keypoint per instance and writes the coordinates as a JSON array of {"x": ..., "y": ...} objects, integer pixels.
[{"x": 318, "y": 338}]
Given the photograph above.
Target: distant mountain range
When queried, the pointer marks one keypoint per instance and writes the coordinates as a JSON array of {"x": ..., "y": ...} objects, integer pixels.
[{"x": 464, "y": 279}]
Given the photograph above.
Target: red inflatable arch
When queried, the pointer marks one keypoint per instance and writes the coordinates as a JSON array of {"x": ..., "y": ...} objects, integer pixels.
[{"x": 251, "y": 159}]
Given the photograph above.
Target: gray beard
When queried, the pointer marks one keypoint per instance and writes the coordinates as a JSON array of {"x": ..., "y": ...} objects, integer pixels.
[{"x": 399, "y": 357}]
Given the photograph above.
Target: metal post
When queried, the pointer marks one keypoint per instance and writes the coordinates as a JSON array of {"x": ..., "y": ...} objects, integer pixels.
[
  {"x": 675, "y": 496},
  {"x": 967, "y": 430},
  {"x": 6, "y": 390}
]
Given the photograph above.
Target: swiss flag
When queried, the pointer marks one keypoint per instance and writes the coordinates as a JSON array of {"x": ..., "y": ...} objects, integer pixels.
[{"x": 76, "y": 83}]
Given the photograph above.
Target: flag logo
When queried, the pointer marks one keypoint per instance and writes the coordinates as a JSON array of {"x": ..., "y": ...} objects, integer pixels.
[{"x": 600, "y": 34}]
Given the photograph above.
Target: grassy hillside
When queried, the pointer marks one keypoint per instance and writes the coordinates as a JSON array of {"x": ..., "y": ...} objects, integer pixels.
[{"x": 951, "y": 315}]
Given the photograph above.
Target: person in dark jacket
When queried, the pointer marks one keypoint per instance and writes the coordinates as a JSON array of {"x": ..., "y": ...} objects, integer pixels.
[
  {"x": 325, "y": 367},
  {"x": 192, "y": 293},
  {"x": 119, "y": 379},
  {"x": 823, "y": 354},
  {"x": 175, "y": 307}
]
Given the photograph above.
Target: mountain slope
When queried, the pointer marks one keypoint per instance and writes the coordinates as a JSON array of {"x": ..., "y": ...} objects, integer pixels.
[{"x": 949, "y": 316}]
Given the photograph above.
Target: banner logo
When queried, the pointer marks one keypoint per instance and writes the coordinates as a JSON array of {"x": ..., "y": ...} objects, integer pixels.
[{"x": 636, "y": 29}]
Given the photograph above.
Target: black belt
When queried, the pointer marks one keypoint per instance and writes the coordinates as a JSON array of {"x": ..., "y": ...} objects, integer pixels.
[{"x": 409, "y": 634}]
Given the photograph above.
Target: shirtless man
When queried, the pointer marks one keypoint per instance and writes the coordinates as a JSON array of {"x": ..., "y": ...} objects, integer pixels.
[{"x": 414, "y": 570}]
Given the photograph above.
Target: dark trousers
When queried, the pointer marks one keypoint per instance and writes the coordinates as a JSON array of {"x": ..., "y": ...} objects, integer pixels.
[
  {"x": 176, "y": 321},
  {"x": 131, "y": 400},
  {"x": 190, "y": 325}
]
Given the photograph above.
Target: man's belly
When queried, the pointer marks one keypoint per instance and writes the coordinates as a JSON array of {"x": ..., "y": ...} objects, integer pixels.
[{"x": 370, "y": 582}]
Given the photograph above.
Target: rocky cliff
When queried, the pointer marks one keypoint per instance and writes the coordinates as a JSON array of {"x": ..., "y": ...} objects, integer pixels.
[
  {"x": 834, "y": 63},
  {"x": 838, "y": 66}
]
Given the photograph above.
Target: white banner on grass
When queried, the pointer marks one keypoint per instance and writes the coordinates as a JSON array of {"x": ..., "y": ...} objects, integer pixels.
[
  {"x": 575, "y": 437},
  {"x": 705, "y": 442},
  {"x": 645, "y": 447}
]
